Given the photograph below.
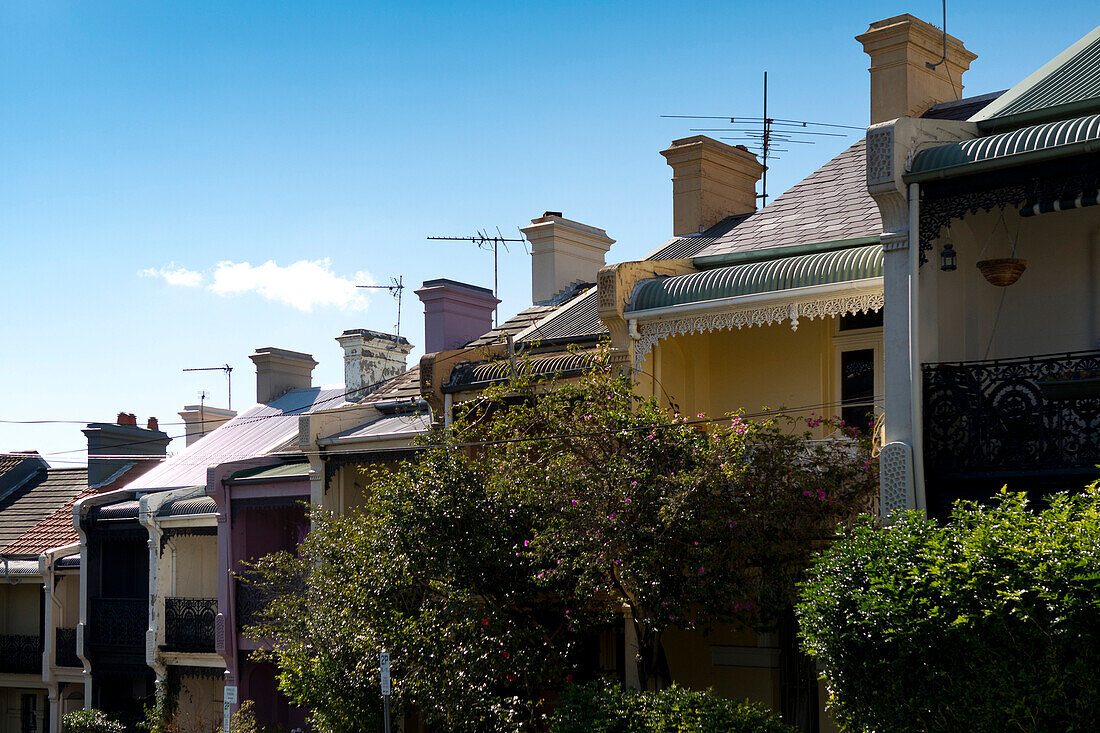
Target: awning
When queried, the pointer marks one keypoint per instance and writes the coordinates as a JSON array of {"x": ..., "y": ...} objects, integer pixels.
[
  {"x": 787, "y": 273},
  {"x": 476, "y": 375},
  {"x": 1034, "y": 144}
]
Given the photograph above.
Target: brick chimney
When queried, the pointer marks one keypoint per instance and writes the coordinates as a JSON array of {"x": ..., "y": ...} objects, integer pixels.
[
  {"x": 710, "y": 181},
  {"x": 455, "y": 313},
  {"x": 902, "y": 85},
  {"x": 278, "y": 371},
  {"x": 198, "y": 420},
  {"x": 122, "y": 438},
  {"x": 563, "y": 252},
  {"x": 371, "y": 358}
]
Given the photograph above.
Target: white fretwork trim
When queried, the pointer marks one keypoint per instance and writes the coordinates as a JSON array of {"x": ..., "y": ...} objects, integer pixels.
[{"x": 839, "y": 305}]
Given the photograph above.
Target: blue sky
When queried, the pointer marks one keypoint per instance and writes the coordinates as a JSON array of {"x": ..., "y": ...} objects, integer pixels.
[{"x": 170, "y": 137}]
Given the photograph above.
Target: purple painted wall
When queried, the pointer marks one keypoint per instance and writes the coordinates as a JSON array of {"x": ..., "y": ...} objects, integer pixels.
[{"x": 454, "y": 313}]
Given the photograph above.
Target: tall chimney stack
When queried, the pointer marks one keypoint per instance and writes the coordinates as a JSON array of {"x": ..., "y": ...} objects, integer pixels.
[
  {"x": 455, "y": 313},
  {"x": 371, "y": 358},
  {"x": 563, "y": 253},
  {"x": 902, "y": 84},
  {"x": 108, "y": 441},
  {"x": 198, "y": 420},
  {"x": 278, "y": 371},
  {"x": 710, "y": 181}
]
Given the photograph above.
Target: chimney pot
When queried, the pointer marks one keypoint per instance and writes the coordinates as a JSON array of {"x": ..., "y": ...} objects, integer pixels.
[
  {"x": 151, "y": 424},
  {"x": 710, "y": 181},
  {"x": 455, "y": 313},
  {"x": 902, "y": 85},
  {"x": 371, "y": 358},
  {"x": 563, "y": 252},
  {"x": 279, "y": 371},
  {"x": 121, "y": 419}
]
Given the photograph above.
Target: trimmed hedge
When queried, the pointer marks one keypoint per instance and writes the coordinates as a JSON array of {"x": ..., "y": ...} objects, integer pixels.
[
  {"x": 986, "y": 623},
  {"x": 601, "y": 707}
]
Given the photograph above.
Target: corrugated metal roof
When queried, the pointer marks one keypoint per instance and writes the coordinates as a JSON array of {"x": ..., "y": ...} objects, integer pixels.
[
  {"x": 1007, "y": 144},
  {"x": 269, "y": 473},
  {"x": 256, "y": 432},
  {"x": 1072, "y": 77},
  {"x": 575, "y": 320},
  {"x": 188, "y": 507},
  {"x": 69, "y": 561},
  {"x": 395, "y": 425},
  {"x": 831, "y": 204},
  {"x": 120, "y": 510},
  {"x": 473, "y": 376},
  {"x": 856, "y": 263},
  {"x": 18, "y": 568}
]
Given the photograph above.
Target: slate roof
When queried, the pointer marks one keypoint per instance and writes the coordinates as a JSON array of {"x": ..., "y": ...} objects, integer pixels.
[
  {"x": 8, "y": 462},
  {"x": 830, "y": 204},
  {"x": 516, "y": 324},
  {"x": 37, "y": 500},
  {"x": 260, "y": 430},
  {"x": 962, "y": 109}
]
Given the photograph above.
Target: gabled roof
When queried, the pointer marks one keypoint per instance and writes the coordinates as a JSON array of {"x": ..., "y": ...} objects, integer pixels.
[
  {"x": 1066, "y": 86},
  {"x": 830, "y": 205},
  {"x": 56, "y": 530},
  {"x": 260, "y": 430},
  {"x": 37, "y": 500}
]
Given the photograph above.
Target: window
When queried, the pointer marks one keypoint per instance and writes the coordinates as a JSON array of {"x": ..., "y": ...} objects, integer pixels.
[{"x": 857, "y": 343}]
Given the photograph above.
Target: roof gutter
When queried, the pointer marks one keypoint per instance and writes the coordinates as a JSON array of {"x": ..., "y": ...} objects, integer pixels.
[
  {"x": 712, "y": 262},
  {"x": 737, "y": 302},
  {"x": 1044, "y": 155}
]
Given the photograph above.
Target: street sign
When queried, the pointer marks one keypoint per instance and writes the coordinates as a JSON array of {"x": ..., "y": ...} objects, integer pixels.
[
  {"x": 384, "y": 665},
  {"x": 230, "y": 694},
  {"x": 229, "y": 698}
]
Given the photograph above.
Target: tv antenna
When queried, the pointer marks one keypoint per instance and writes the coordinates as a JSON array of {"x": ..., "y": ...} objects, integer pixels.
[
  {"x": 229, "y": 380},
  {"x": 766, "y": 135},
  {"x": 484, "y": 241},
  {"x": 396, "y": 286}
]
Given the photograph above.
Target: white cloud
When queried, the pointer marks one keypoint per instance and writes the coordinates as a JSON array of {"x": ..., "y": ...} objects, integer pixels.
[
  {"x": 175, "y": 275},
  {"x": 303, "y": 285}
]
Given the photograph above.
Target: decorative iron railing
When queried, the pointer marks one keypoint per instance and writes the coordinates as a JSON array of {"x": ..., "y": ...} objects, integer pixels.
[
  {"x": 250, "y": 604},
  {"x": 189, "y": 624},
  {"x": 65, "y": 648},
  {"x": 118, "y": 621},
  {"x": 1028, "y": 416},
  {"x": 20, "y": 654}
]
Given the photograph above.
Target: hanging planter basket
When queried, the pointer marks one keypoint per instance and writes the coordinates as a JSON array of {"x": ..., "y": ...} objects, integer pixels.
[{"x": 1002, "y": 272}]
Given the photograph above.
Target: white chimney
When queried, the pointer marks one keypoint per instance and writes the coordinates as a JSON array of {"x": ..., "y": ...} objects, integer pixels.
[
  {"x": 563, "y": 252},
  {"x": 278, "y": 371},
  {"x": 371, "y": 358}
]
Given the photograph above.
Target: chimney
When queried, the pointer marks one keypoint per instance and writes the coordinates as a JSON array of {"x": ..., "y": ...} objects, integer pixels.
[
  {"x": 563, "y": 252},
  {"x": 454, "y": 313},
  {"x": 122, "y": 438},
  {"x": 278, "y": 371},
  {"x": 710, "y": 181},
  {"x": 198, "y": 420},
  {"x": 902, "y": 85},
  {"x": 371, "y": 358}
]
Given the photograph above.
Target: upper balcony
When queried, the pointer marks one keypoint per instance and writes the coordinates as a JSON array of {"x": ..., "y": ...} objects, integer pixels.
[
  {"x": 189, "y": 624},
  {"x": 1030, "y": 422},
  {"x": 20, "y": 654},
  {"x": 118, "y": 622}
]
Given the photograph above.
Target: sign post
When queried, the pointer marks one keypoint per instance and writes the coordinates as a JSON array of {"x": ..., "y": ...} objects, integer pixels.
[
  {"x": 228, "y": 699},
  {"x": 384, "y": 668}
]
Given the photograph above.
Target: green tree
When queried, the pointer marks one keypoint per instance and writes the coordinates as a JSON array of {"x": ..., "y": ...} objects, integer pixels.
[
  {"x": 988, "y": 622},
  {"x": 542, "y": 513}
]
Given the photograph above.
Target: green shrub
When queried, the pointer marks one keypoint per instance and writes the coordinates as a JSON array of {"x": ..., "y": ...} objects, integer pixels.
[
  {"x": 90, "y": 721},
  {"x": 988, "y": 622},
  {"x": 606, "y": 708}
]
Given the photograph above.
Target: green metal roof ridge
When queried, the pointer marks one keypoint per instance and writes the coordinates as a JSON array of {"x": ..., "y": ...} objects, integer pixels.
[
  {"x": 1033, "y": 79},
  {"x": 756, "y": 278},
  {"x": 1040, "y": 143},
  {"x": 710, "y": 262}
]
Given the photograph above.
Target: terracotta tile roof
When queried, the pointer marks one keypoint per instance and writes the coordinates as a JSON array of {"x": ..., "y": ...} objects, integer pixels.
[
  {"x": 37, "y": 500},
  {"x": 830, "y": 204},
  {"x": 56, "y": 530}
]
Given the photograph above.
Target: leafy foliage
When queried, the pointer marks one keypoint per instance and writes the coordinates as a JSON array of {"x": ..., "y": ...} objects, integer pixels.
[
  {"x": 988, "y": 622},
  {"x": 605, "y": 708},
  {"x": 530, "y": 524},
  {"x": 90, "y": 721}
]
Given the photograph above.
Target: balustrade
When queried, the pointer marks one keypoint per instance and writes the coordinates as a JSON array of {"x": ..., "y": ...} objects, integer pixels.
[{"x": 189, "y": 624}]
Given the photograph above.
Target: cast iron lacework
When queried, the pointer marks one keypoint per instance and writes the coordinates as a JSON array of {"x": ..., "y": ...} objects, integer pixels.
[
  {"x": 937, "y": 210},
  {"x": 20, "y": 654},
  {"x": 119, "y": 621},
  {"x": 189, "y": 624},
  {"x": 65, "y": 648},
  {"x": 996, "y": 417},
  {"x": 250, "y": 604}
]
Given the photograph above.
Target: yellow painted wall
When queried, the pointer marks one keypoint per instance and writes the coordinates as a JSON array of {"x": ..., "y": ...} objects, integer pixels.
[
  {"x": 11, "y": 706},
  {"x": 1053, "y": 307},
  {"x": 200, "y": 705},
  {"x": 67, "y": 593},
  {"x": 690, "y": 664},
  {"x": 19, "y": 608},
  {"x": 196, "y": 563}
]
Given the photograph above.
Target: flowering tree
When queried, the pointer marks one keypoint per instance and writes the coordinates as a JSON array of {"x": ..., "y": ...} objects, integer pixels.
[{"x": 539, "y": 517}]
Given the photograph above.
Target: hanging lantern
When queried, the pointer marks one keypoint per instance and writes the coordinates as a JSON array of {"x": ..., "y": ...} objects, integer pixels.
[{"x": 948, "y": 258}]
